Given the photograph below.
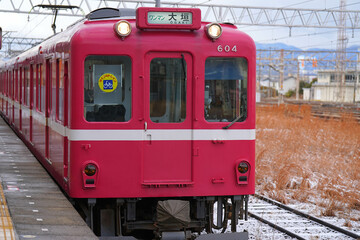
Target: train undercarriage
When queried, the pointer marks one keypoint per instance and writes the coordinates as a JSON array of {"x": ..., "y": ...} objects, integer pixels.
[{"x": 157, "y": 218}]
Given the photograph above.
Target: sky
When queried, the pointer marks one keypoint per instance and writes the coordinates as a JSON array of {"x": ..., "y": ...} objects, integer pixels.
[{"x": 39, "y": 26}]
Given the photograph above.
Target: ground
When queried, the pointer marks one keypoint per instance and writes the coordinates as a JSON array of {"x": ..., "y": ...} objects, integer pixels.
[{"x": 310, "y": 161}]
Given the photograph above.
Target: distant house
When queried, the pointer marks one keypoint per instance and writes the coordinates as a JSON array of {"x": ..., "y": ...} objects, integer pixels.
[
  {"x": 307, "y": 94},
  {"x": 270, "y": 83},
  {"x": 289, "y": 83},
  {"x": 328, "y": 87}
]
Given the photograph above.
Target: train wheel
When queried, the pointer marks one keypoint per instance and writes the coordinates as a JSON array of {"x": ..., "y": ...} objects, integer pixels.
[
  {"x": 218, "y": 220},
  {"x": 235, "y": 213}
]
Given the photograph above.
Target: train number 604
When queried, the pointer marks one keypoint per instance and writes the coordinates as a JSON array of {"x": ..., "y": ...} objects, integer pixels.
[{"x": 226, "y": 48}]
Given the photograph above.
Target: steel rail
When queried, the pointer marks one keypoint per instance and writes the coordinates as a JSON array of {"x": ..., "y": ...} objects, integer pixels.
[
  {"x": 277, "y": 227},
  {"x": 312, "y": 218}
]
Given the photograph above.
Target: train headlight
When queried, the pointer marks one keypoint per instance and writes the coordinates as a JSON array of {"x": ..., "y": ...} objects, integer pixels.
[
  {"x": 123, "y": 28},
  {"x": 243, "y": 167},
  {"x": 90, "y": 170},
  {"x": 213, "y": 30}
]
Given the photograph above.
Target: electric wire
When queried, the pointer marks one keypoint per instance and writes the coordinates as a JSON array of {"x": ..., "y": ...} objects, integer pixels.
[
  {"x": 297, "y": 3},
  {"x": 286, "y": 18},
  {"x": 304, "y": 35}
]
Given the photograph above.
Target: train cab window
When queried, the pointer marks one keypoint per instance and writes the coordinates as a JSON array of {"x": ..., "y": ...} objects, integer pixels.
[
  {"x": 107, "y": 89},
  {"x": 225, "y": 89},
  {"x": 168, "y": 90}
]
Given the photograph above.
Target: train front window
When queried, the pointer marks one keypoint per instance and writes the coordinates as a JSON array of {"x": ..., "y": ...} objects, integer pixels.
[
  {"x": 168, "y": 90},
  {"x": 107, "y": 89},
  {"x": 225, "y": 89}
]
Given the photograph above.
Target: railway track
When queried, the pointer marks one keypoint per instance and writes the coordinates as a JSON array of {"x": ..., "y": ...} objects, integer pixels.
[
  {"x": 293, "y": 223},
  {"x": 325, "y": 110}
]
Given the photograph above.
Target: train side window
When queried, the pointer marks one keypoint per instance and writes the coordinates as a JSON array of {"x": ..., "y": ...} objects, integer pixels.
[
  {"x": 21, "y": 84},
  {"x": 53, "y": 98},
  {"x": 31, "y": 86},
  {"x": 59, "y": 90},
  {"x": 16, "y": 85},
  {"x": 3, "y": 91},
  {"x": 35, "y": 79},
  {"x": 4, "y": 84},
  {"x": 9, "y": 88},
  {"x": 167, "y": 90},
  {"x": 6, "y": 90},
  {"x": 12, "y": 84},
  {"x": 26, "y": 97},
  {"x": 1, "y": 81},
  {"x": 107, "y": 88},
  {"x": 40, "y": 89},
  {"x": 43, "y": 88},
  {"x": 1, "y": 84},
  {"x": 225, "y": 89}
]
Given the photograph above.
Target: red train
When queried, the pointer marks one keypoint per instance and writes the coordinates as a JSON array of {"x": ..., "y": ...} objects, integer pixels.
[{"x": 147, "y": 119}]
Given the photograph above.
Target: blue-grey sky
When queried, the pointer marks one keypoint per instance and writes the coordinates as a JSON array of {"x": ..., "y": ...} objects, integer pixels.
[{"x": 40, "y": 25}]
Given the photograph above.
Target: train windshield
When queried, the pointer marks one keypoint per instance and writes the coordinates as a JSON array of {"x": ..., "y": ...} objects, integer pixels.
[
  {"x": 225, "y": 89},
  {"x": 107, "y": 89}
]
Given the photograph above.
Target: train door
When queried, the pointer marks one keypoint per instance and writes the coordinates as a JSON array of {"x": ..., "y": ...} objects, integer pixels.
[
  {"x": 12, "y": 97},
  {"x": 32, "y": 99},
  {"x": 6, "y": 93},
  {"x": 168, "y": 122},
  {"x": 65, "y": 116},
  {"x": 20, "y": 97},
  {"x": 8, "y": 80},
  {"x": 48, "y": 103}
]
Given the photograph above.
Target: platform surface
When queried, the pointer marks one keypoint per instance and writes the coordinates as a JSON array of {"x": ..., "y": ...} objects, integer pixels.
[{"x": 32, "y": 205}]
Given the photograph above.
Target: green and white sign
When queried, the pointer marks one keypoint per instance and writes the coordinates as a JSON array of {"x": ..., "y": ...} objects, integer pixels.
[{"x": 170, "y": 18}]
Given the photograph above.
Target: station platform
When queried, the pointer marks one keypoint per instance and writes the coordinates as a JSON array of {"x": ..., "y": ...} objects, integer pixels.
[{"x": 32, "y": 205}]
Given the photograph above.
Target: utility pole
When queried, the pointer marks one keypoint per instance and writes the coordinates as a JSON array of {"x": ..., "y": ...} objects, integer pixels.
[
  {"x": 298, "y": 81},
  {"x": 268, "y": 90},
  {"x": 356, "y": 76},
  {"x": 281, "y": 79},
  {"x": 258, "y": 87},
  {"x": 340, "y": 52}
]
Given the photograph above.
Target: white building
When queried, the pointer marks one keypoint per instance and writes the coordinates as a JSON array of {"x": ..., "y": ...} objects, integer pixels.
[
  {"x": 289, "y": 83},
  {"x": 328, "y": 87},
  {"x": 307, "y": 94},
  {"x": 270, "y": 83}
]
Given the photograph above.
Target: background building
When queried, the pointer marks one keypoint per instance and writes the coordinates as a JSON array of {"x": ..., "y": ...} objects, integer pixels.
[{"x": 329, "y": 89}]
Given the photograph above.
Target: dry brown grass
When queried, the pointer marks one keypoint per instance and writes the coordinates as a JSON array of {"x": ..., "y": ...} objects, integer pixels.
[{"x": 308, "y": 159}]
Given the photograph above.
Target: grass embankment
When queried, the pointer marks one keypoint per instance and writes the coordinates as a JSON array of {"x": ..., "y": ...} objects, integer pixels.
[{"x": 308, "y": 159}]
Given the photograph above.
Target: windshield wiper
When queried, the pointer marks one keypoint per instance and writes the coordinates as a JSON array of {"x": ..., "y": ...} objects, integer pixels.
[
  {"x": 233, "y": 121},
  {"x": 183, "y": 65}
]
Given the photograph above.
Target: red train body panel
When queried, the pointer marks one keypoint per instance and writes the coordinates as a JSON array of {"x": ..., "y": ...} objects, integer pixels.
[{"x": 159, "y": 134}]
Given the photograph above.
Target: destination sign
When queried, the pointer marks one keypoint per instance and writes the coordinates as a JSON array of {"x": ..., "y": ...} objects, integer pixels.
[{"x": 170, "y": 18}]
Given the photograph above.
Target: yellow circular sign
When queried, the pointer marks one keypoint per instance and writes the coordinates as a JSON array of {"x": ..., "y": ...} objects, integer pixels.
[{"x": 108, "y": 82}]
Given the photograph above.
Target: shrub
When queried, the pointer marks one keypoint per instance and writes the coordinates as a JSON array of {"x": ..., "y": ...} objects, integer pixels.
[{"x": 290, "y": 93}]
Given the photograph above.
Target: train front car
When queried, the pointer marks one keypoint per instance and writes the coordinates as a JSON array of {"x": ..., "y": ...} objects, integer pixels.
[{"x": 162, "y": 127}]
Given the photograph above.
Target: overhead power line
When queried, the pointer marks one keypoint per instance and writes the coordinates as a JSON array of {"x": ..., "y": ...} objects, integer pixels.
[{"x": 239, "y": 15}]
